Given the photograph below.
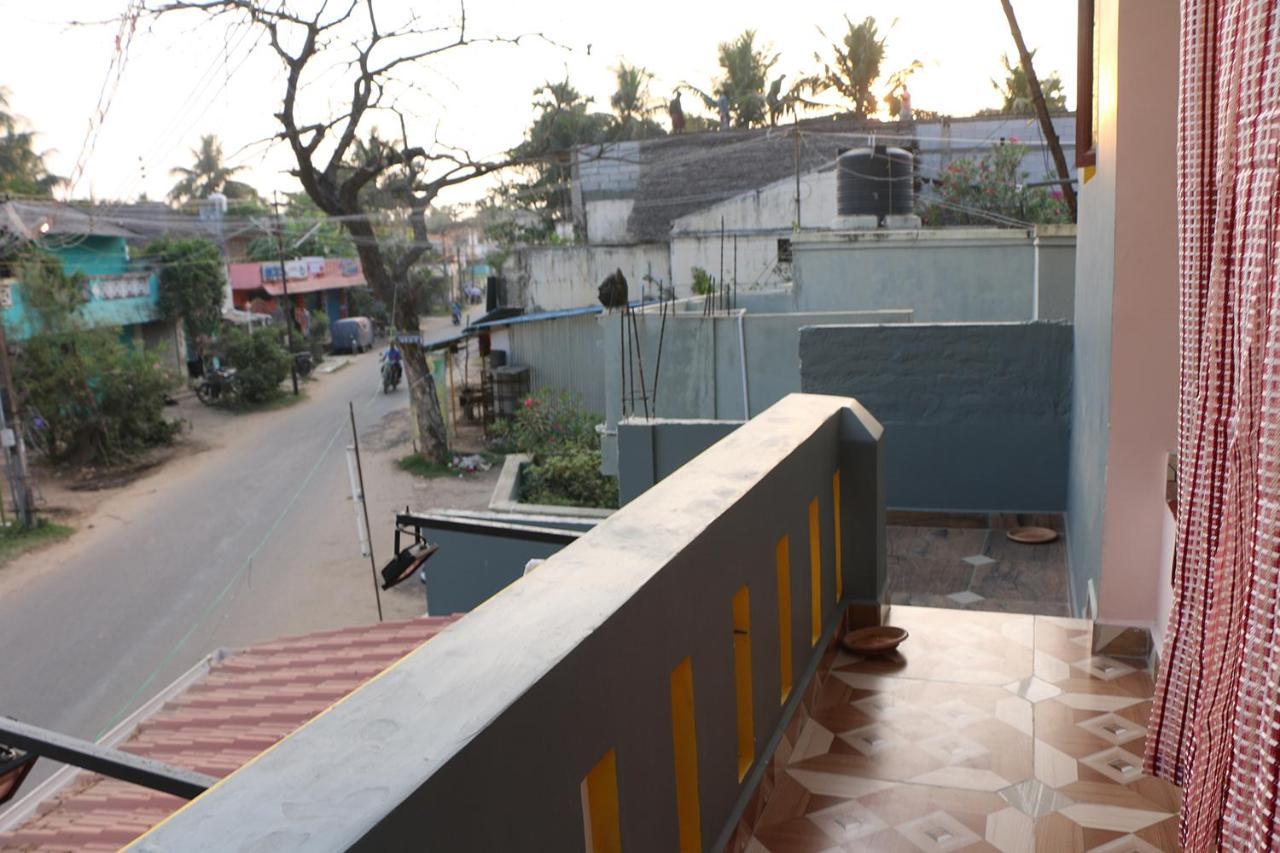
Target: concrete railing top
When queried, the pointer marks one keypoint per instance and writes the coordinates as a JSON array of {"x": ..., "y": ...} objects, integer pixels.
[{"x": 549, "y": 644}]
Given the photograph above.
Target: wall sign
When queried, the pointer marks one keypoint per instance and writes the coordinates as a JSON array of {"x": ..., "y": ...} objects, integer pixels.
[{"x": 120, "y": 287}]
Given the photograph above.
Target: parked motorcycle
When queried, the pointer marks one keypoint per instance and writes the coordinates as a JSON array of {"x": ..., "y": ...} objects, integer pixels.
[
  {"x": 218, "y": 384},
  {"x": 390, "y": 375}
]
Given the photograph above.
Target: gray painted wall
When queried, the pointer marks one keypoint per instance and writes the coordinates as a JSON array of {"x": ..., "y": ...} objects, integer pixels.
[
  {"x": 517, "y": 701},
  {"x": 651, "y": 450},
  {"x": 563, "y": 354},
  {"x": 976, "y": 416},
  {"x": 942, "y": 275},
  {"x": 471, "y": 566},
  {"x": 701, "y": 373},
  {"x": 1055, "y": 285}
]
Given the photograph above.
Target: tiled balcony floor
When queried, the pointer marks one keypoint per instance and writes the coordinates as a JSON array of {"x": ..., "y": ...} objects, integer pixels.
[
  {"x": 989, "y": 731},
  {"x": 966, "y": 563}
]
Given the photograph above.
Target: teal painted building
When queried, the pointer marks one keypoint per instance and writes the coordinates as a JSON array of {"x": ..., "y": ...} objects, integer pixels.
[{"x": 122, "y": 293}]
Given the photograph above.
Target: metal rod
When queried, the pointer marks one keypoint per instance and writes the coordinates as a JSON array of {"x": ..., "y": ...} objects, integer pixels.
[
  {"x": 284, "y": 285},
  {"x": 657, "y": 369},
  {"x": 373, "y": 565},
  {"x": 639, "y": 348},
  {"x": 1042, "y": 109},
  {"x": 103, "y": 759}
]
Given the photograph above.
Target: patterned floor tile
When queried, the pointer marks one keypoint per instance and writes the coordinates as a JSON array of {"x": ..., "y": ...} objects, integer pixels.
[{"x": 987, "y": 733}]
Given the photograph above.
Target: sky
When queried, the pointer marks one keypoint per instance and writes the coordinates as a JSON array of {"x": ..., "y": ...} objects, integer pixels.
[{"x": 185, "y": 75}]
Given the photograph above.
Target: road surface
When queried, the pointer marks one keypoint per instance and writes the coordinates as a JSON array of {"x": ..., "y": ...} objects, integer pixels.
[{"x": 247, "y": 542}]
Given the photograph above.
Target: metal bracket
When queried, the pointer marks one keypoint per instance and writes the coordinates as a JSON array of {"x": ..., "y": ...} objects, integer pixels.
[{"x": 115, "y": 763}]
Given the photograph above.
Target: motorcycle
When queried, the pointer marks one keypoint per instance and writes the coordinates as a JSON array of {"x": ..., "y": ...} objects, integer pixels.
[
  {"x": 303, "y": 363},
  {"x": 390, "y": 375},
  {"x": 217, "y": 385}
]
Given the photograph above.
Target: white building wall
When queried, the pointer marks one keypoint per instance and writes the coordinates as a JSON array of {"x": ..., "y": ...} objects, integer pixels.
[{"x": 550, "y": 278}]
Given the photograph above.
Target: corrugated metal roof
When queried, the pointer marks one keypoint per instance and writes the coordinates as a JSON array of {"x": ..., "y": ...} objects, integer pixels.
[{"x": 243, "y": 706}]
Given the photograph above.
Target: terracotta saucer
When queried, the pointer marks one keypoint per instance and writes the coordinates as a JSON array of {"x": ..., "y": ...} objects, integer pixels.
[
  {"x": 1031, "y": 535},
  {"x": 873, "y": 641}
]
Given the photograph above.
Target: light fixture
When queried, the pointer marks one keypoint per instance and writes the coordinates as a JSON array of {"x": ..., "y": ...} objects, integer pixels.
[
  {"x": 404, "y": 564},
  {"x": 14, "y": 767},
  {"x": 45, "y": 226}
]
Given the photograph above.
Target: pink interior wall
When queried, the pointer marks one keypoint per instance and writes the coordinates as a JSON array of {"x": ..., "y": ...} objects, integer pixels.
[{"x": 1144, "y": 330}]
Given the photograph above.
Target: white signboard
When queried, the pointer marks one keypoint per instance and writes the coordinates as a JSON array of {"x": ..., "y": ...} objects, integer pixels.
[
  {"x": 296, "y": 270},
  {"x": 315, "y": 266}
]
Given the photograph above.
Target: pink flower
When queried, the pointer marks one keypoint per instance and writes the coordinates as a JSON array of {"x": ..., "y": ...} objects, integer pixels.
[
  {"x": 1013, "y": 139},
  {"x": 529, "y": 403}
]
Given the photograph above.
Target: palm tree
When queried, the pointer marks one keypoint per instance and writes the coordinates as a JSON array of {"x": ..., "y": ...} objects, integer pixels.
[
  {"x": 633, "y": 107},
  {"x": 855, "y": 66},
  {"x": 1017, "y": 94},
  {"x": 22, "y": 168},
  {"x": 746, "y": 72},
  {"x": 208, "y": 174}
]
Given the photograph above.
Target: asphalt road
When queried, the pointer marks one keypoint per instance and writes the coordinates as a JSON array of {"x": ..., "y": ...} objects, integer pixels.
[{"x": 249, "y": 541}]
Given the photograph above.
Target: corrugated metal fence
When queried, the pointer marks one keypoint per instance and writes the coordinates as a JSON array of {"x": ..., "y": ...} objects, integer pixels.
[{"x": 563, "y": 354}]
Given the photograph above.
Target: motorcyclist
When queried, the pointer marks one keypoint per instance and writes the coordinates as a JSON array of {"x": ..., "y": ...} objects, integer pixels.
[{"x": 392, "y": 356}]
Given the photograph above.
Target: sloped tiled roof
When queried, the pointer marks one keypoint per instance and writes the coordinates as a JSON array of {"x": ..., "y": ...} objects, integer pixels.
[
  {"x": 245, "y": 704},
  {"x": 682, "y": 173}
]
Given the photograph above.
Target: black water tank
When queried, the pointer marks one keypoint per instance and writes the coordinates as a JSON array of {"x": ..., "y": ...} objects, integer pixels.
[{"x": 874, "y": 182}]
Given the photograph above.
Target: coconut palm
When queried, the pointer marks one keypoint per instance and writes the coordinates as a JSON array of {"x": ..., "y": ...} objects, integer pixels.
[
  {"x": 854, "y": 66},
  {"x": 1016, "y": 92},
  {"x": 22, "y": 169},
  {"x": 633, "y": 107},
  {"x": 745, "y": 66},
  {"x": 207, "y": 175}
]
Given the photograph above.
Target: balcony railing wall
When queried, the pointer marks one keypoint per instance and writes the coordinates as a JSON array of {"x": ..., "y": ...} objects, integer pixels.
[{"x": 621, "y": 696}]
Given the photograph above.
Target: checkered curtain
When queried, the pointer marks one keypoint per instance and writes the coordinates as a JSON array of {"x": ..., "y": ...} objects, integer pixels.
[{"x": 1215, "y": 726}]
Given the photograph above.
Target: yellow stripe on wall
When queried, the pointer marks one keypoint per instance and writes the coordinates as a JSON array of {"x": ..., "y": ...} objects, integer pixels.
[
  {"x": 835, "y": 514},
  {"x": 684, "y": 740},
  {"x": 742, "y": 680},
  {"x": 600, "y": 824},
  {"x": 815, "y": 574},
  {"x": 782, "y": 559}
]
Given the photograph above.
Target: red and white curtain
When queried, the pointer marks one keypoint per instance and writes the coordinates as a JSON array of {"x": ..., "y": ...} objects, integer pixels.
[{"x": 1215, "y": 725}]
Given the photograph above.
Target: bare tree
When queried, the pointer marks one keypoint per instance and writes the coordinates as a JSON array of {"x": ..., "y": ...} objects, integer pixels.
[{"x": 336, "y": 169}]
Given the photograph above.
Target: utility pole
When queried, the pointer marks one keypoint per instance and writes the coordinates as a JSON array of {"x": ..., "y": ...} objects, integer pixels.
[
  {"x": 1042, "y": 110},
  {"x": 17, "y": 457},
  {"x": 284, "y": 283},
  {"x": 796, "y": 134}
]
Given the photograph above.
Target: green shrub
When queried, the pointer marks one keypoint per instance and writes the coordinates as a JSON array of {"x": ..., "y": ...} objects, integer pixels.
[
  {"x": 703, "y": 283},
  {"x": 561, "y": 437},
  {"x": 547, "y": 422},
  {"x": 319, "y": 337},
  {"x": 260, "y": 360},
  {"x": 97, "y": 400},
  {"x": 568, "y": 478}
]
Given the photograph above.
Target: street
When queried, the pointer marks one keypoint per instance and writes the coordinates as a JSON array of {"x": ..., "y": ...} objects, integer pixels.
[{"x": 246, "y": 542}]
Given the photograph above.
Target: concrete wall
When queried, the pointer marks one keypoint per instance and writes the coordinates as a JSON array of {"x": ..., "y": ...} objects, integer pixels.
[
  {"x": 516, "y": 702},
  {"x": 701, "y": 374},
  {"x": 563, "y": 354},
  {"x": 771, "y": 207},
  {"x": 976, "y": 416},
  {"x": 943, "y": 275},
  {"x": 550, "y": 278},
  {"x": 1126, "y": 352},
  {"x": 1055, "y": 275},
  {"x": 651, "y": 450},
  {"x": 757, "y": 259},
  {"x": 476, "y": 561}
]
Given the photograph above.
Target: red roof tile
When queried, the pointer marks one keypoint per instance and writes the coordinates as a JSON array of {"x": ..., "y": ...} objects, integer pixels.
[{"x": 246, "y": 703}]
